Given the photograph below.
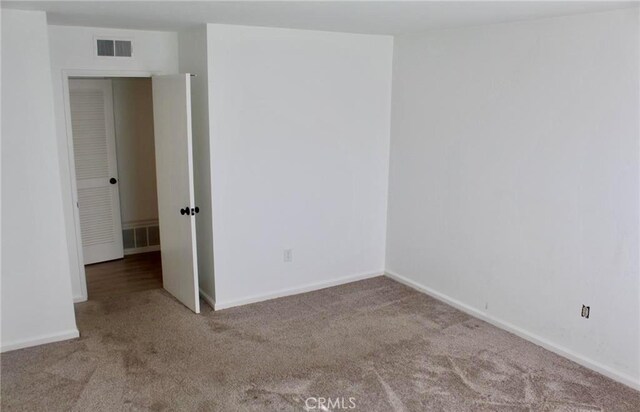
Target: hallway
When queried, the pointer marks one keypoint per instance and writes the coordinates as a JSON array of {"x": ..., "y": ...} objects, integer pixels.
[{"x": 134, "y": 273}]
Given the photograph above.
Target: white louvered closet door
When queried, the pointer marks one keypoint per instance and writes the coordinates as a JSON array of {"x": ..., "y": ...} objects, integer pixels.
[{"x": 94, "y": 149}]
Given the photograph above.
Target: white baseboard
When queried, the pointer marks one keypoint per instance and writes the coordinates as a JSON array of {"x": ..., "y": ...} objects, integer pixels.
[
  {"x": 531, "y": 337},
  {"x": 146, "y": 249},
  {"x": 295, "y": 291},
  {"x": 207, "y": 298},
  {"x": 40, "y": 340},
  {"x": 79, "y": 298}
]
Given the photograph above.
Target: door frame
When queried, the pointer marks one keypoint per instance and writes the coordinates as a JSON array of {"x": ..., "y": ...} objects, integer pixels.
[{"x": 87, "y": 73}]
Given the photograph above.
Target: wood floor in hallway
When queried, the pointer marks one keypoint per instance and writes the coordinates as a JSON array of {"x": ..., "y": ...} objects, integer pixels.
[{"x": 134, "y": 273}]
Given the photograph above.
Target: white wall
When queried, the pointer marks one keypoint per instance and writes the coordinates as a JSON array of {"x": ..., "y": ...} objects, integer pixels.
[
  {"x": 300, "y": 137},
  {"x": 514, "y": 179},
  {"x": 72, "y": 52},
  {"x": 133, "y": 117},
  {"x": 36, "y": 290},
  {"x": 193, "y": 59}
]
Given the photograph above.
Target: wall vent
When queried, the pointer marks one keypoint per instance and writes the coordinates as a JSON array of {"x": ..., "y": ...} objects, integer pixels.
[
  {"x": 141, "y": 237},
  {"x": 114, "y": 48}
]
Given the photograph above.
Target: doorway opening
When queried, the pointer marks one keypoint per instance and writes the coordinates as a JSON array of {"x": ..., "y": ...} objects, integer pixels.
[
  {"x": 114, "y": 156},
  {"x": 96, "y": 184}
]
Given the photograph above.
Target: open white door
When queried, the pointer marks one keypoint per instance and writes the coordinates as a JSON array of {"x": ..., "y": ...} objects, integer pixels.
[
  {"x": 94, "y": 152},
  {"x": 174, "y": 174}
]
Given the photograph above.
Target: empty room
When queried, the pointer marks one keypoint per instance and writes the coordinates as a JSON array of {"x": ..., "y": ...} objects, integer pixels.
[{"x": 320, "y": 206}]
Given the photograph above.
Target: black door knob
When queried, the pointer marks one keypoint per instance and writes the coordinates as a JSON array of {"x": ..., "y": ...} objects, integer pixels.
[
  {"x": 113, "y": 181},
  {"x": 185, "y": 211},
  {"x": 195, "y": 210}
]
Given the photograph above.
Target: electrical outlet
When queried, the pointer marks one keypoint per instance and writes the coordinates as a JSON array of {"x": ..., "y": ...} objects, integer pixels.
[
  {"x": 288, "y": 255},
  {"x": 585, "y": 311}
]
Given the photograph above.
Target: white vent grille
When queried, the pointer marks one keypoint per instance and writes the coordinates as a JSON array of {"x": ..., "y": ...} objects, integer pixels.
[
  {"x": 141, "y": 235},
  {"x": 123, "y": 48},
  {"x": 114, "y": 48},
  {"x": 128, "y": 239}
]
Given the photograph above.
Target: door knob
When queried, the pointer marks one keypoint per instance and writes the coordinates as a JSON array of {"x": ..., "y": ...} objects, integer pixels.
[
  {"x": 185, "y": 211},
  {"x": 195, "y": 210},
  {"x": 113, "y": 181}
]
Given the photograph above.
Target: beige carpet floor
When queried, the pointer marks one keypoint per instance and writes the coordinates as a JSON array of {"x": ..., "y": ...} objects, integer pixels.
[{"x": 387, "y": 347}]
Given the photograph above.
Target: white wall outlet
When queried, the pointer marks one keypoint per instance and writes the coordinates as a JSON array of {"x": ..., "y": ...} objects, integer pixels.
[
  {"x": 288, "y": 255},
  {"x": 585, "y": 311}
]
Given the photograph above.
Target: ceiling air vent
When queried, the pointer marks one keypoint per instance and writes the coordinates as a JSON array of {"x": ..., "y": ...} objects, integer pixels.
[{"x": 114, "y": 48}]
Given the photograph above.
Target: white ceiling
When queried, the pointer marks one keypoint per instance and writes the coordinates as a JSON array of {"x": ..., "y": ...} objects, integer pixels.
[{"x": 375, "y": 17}]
